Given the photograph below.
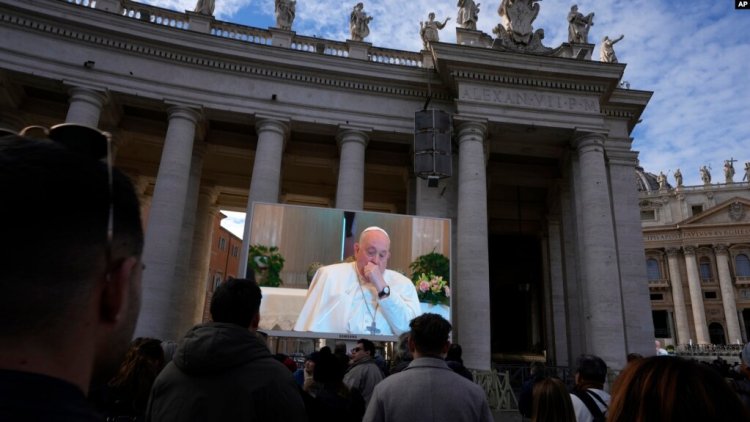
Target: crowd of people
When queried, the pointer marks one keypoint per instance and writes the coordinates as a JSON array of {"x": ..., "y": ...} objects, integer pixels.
[{"x": 66, "y": 328}]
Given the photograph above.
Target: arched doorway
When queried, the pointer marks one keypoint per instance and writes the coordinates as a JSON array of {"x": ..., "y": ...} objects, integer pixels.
[{"x": 716, "y": 333}]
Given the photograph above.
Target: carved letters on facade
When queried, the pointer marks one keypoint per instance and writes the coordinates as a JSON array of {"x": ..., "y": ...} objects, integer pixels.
[{"x": 509, "y": 96}]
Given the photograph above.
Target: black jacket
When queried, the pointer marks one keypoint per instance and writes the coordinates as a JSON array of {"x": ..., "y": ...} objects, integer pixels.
[{"x": 222, "y": 372}]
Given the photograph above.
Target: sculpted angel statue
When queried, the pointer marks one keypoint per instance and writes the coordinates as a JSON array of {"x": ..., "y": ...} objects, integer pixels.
[
  {"x": 468, "y": 14},
  {"x": 359, "y": 23},
  {"x": 429, "y": 30},
  {"x": 285, "y": 12}
]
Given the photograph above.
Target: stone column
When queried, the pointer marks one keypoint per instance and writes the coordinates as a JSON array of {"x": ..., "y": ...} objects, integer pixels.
[
  {"x": 161, "y": 312},
  {"x": 472, "y": 292},
  {"x": 696, "y": 296},
  {"x": 601, "y": 285},
  {"x": 727, "y": 294},
  {"x": 265, "y": 181},
  {"x": 558, "y": 318},
  {"x": 678, "y": 296},
  {"x": 85, "y": 106},
  {"x": 350, "y": 189},
  {"x": 636, "y": 303},
  {"x": 186, "y": 295},
  {"x": 201, "y": 254}
]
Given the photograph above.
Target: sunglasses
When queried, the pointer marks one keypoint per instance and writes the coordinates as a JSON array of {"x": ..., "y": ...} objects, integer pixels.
[{"x": 85, "y": 141}]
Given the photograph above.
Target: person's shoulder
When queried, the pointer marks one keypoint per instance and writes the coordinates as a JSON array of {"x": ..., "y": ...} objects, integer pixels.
[
  {"x": 341, "y": 266},
  {"x": 396, "y": 277}
]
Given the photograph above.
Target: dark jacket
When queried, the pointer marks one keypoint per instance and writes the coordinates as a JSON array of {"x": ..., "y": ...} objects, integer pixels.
[{"x": 223, "y": 372}]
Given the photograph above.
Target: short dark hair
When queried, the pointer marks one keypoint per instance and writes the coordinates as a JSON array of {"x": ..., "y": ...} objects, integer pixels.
[
  {"x": 591, "y": 368},
  {"x": 367, "y": 345},
  {"x": 236, "y": 301},
  {"x": 54, "y": 230},
  {"x": 430, "y": 332}
]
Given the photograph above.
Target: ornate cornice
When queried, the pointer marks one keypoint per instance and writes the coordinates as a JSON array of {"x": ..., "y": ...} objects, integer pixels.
[{"x": 132, "y": 47}]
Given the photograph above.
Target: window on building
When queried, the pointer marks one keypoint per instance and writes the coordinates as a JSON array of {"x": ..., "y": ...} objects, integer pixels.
[
  {"x": 710, "y": 295},
  {"x": 704, "y": 265},
  {"x": 742, "y": 265},
  {"x": 648, "y": 215},
  {"x": 745, "y": 294},
  {"x": 217, "y": 280},
  {"x": 222, "y": 243},
  {"x": 696, "y": 209},
  {"x": 657, "y": 296},
  {"x": 235, "y": 251},
  {"x": 653, "y": 270}
]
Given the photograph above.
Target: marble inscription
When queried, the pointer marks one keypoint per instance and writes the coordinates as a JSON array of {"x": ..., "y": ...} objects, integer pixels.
[
  {"x": 543, "y": 100},
  {"x": 698, "y": 234}
]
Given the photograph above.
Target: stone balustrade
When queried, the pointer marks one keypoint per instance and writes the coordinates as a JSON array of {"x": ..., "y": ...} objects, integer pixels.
[
  {"x": 320, "y": 46},
  {"x": 84, "y": 3},
  {"x": 170, "y": 18},
  {"x": 154, "y": 14},
  {"x": 397, "y": 57},
  {"x": 241, "y": 32}
]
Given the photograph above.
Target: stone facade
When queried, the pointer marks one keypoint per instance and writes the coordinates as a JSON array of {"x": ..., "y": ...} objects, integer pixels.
[
  {"x": 211, "y": 115},
  {"x": 697, "y": 243}
]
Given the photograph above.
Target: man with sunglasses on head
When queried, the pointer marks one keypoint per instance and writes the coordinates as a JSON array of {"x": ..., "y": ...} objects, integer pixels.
[
  {"x": 70, "y": 272},
  {"x": 360, "y": 297}
]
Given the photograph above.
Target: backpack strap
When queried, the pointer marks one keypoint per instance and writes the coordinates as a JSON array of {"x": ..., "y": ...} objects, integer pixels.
[{"x": 587, "y": 397}]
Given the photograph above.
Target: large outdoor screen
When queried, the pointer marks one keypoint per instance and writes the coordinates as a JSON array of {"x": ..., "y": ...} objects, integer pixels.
[{"x": 323, "y": 293}]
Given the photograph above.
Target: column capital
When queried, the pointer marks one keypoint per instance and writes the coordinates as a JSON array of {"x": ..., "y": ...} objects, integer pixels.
[
  {"x": 211, "y": 192},
  {"x": 721, "y": 249},
  {"x": 689, "y": 250},
  {"x": 353, "y": 134},
  {"x": 623, "y": 158},
  {"x": 673, "y": 251},
  {"x": 587, "y": 141},
  {"x": 184, "y": 112},
  {"x": 471, "y": 130},
  {"x": 272, "y": 124},
  {"x": 90, "y": 95}
]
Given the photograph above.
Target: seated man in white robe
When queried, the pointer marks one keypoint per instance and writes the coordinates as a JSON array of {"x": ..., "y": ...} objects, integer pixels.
[{"x": 360, "y": 297}]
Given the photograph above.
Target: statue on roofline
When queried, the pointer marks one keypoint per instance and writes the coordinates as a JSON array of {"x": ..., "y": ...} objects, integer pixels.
[
  {"x": 468, "y": 14},
  {"x": 359, "y": 23},
  {"x": 285, "y": 11},
  {"x": 429, "y": 30},
  {"x": 579, "y": 25},
  {"x": 205, "y": 7}
]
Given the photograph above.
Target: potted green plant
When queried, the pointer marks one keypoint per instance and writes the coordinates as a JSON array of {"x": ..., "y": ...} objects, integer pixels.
[
  {"x": 431, "y": 277},
  {"x": 267, "y": 263},
  {"x": 431, "y": 263}
]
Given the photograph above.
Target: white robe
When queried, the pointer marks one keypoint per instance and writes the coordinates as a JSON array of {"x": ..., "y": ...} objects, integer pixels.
[{"x": 335, "y": 303}]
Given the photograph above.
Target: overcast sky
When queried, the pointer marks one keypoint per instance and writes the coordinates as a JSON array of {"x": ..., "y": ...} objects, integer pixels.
[{"x": 694, "y": 55}]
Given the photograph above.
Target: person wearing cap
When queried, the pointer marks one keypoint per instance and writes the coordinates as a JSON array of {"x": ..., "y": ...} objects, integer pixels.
[{"x": 360, "y": 297}]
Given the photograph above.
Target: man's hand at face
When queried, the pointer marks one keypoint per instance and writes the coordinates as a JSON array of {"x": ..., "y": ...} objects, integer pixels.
[{"x": 374, "y": 276}]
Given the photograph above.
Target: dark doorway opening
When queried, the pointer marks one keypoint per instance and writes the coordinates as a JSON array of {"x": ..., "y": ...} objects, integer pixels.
[
  {"x": 661, "y": 324},
  {"x": 516, "y": 295},
  {"x": 716, "y": 333}
]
